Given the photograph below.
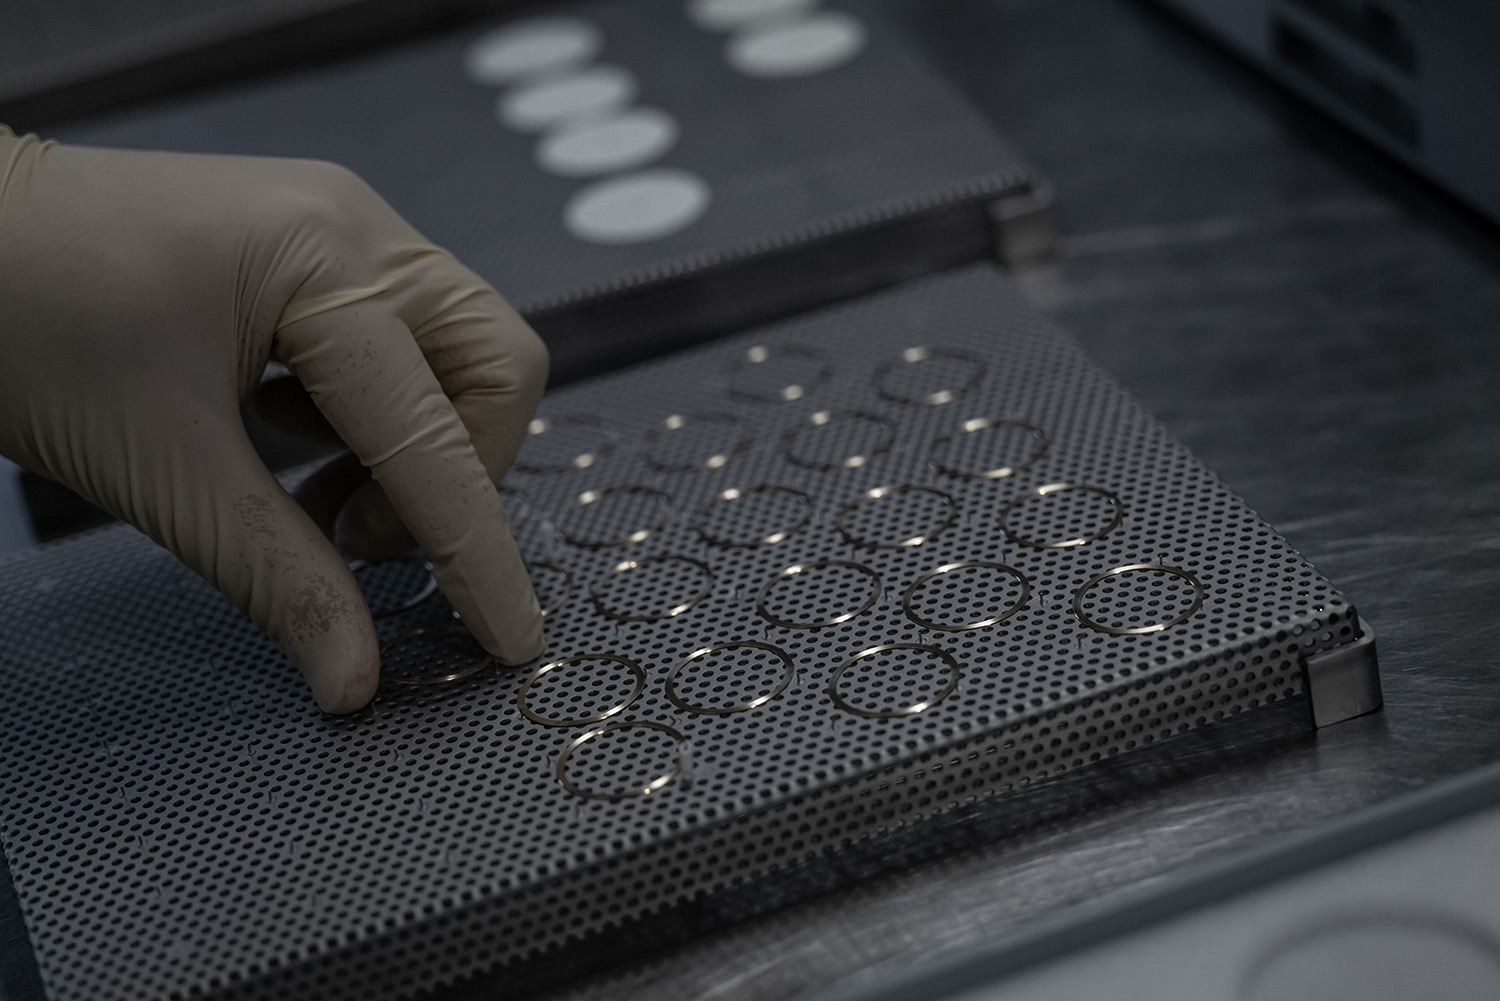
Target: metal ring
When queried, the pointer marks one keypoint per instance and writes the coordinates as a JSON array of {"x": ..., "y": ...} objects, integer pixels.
[
  {"x": 762, "y": 353},
  {"x": 428, "y": 588},
  {"x": 567, "y": 588},
  {"x": 618, "y": 795},
  {"x": 636, "y": 670},
  {"x": 389, "y": 674},
  {"x": 671, "y": 686},
  {"x": 794, "y": 570},
  {"x": 910, "y": 710},
  {"x": 974, "y": 424},
  {"x": 825, "y": 417},
  {"x": 627, "y": 565},
  {"x": 907, "y": 604},
  {"x": 583, "y": 460},
  {"x": 876, "y": 493},
  {"x": 1053, "y": 488},
  {"x": 734, "y": 494},
  {"x": 1198, "y": 594},
  {"x": 679, "y": 421},
  {"x": 588, "y": 497},
  {"x": 917, "y": 355}
]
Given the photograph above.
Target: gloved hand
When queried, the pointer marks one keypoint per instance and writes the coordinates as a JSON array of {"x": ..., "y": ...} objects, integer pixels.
[{"x": 142, "y": 296}]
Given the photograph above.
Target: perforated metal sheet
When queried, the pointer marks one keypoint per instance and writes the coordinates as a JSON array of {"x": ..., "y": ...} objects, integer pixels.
[
  {"x": 880, "y": 144},
  {"x": 809, "y": 584}
]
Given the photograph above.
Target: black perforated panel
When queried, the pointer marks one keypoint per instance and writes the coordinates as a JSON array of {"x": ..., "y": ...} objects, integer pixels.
[{"x": 748, "y": 662}]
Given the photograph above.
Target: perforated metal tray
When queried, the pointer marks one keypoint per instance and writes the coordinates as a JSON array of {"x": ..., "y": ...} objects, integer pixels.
[
  {"x": 813, "y": 583},
  {"x": 819, "y": 185}
]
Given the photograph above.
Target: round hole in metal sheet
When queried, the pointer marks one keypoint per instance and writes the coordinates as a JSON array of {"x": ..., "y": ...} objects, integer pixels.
[
  {"x": 894, "y": 680},
  {"x": 970, "y": 595},
  {"x": 778, "y": 373},
  {"x": 652, "y": 589},
  {"x": 896, "y": 517},
  {"x": 930, "y": 377},
  {"x": 1138, "y": 599},
  {"x": 575, "y": 691},
  {"x": 1061, "y": 515},
  {"x": 745, "y": 517},
  {"x": 620, "y": 761},
  {"x": 817, "y": 594},
  {"x": 730, "y": 677},
  {"x": 988, "y": 448},
  {"x": 827, "y": 440}
]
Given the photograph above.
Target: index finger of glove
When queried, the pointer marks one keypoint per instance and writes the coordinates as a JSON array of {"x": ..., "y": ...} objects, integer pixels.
[{"x": 366, "y": 373}]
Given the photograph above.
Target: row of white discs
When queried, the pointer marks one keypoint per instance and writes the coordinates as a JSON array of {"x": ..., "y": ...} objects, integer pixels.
[{"x": 590, "y": 128}]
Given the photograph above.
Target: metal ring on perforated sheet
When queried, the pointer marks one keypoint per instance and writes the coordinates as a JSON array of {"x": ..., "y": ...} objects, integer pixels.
[
  {"x": 760, "y": 700},
  {"x": 673, "y": 611},
  {"x": 638, "y": 672},
  {"x": 633, "y": 792},
  {"x": 879, "y": 493},
  {"x": 680, "y": 422},
  {"x": 448, "y": 629},
  {"x": 735, "y": 495},
  {"x": 762, "y": 354},
  {"x": 566, "y": 590},
  {"x": 800, "y": 568},
  {"x": 910, "y": 710},
  {"x": 823, "y": 418},
  {"x": 908, "y": 604},
  {"x": 975, "y": 424},
  {"x": 1051, "y": 489},
  {"x": 916, "y": 356},
  {"x": 424, "y": 591},
  {"x": 1155, "y": 627},
  {"x": 583, "y": 460},
  {"x": 589, "y": 497}
]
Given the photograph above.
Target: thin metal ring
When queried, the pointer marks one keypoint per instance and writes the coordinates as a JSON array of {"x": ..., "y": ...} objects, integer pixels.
[
  {"x": 626, "y": 566},
  {"x": 910, "y": 710},
  {"x": 428, "y": 588},
  {"x": 583, "y": 460},
  {"x": 733, "y": 494},
  {"x": 671, "y": 687},
  {"x": 567, "y": 588},
  {"x": 588, "y": 497},
  {"x": 1053, "y": 488},
  {"x": 876, "y": 493},
  {"x": 636, "y": 671},
  {"x": 917, "y": 355},
  {"x": 824, "y": 417},
  {"x": 635, "y": 791},
  {"x": 390, "y": 674},
  {"x": 983, "y": 424},
  {"x": 679, "y": 421},
  {"x": 908, "y": 605},
  {"x": 1198, "y": 594},
  {"x": 761, "y": 353},
  {"x": 794, "y": 570}
]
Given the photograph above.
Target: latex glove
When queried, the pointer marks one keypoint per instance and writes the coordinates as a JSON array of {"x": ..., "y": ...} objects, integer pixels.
[{"x": 141, "y": 297}]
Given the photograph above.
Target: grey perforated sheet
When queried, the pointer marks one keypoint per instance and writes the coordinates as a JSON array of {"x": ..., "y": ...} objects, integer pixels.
[{"x": 813, "y": 582}]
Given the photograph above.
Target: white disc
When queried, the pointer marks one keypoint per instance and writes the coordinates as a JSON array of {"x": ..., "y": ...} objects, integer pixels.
[
  {"x": 631, "y": 139},
  {"x": 637, "y": 207},
  {"x": 539, "y": 46},
  {"x": 800, "y": 48},
  {"x": 548, "y": 102},
  {"x": 727, "y": 15}
]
